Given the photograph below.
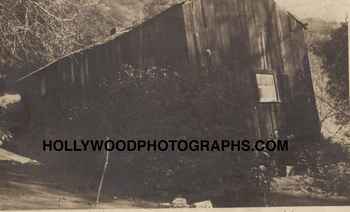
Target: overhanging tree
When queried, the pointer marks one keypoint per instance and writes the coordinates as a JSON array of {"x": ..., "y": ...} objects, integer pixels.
[{"x": 334, "y": 55}]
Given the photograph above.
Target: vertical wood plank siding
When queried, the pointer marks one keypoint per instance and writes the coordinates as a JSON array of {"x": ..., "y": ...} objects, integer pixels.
[
  {"x": 252, "y": 36},
  {"x": 203, "y": 36}
]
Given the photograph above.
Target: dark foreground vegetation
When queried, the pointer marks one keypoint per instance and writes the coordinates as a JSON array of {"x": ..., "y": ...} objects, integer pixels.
[
  {"x": 159, "y": 103},
  {"x": 152, "y": 103}
]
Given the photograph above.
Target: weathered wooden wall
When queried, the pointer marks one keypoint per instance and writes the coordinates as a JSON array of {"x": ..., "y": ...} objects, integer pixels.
[
  {"x": 203, "y": 36},
  {"x": 158, "y": 42},
  {"x": 250, "y": 37}
]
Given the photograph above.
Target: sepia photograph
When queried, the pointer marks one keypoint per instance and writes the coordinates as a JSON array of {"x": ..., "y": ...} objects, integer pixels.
[{"x": 168, "y": 104}]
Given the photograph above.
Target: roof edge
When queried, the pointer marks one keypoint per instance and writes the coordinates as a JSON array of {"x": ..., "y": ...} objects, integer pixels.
[
  {"x": 304, "y": 25},
  {"x": 99, "y": 43}
]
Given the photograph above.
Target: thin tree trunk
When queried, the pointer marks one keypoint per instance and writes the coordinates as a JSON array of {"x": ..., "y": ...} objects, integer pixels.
[{"x": 102, "y": 178}]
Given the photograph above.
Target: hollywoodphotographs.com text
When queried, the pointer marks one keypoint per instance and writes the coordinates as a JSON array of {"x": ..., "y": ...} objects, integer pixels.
[{"x": 162, "y": 145}]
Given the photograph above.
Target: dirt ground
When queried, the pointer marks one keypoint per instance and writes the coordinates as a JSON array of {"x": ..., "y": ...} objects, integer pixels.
[
  {"x": 300, "y": 191},
  {"x": 26, "y": 187},
  {"x": 32, "y": 187}
]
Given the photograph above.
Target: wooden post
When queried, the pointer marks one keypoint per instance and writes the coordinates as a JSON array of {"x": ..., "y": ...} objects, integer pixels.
[{"x": 102, "y": 179}]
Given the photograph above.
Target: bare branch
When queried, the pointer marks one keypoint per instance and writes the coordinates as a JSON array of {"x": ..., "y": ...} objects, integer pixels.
[
  {"x": 52, "y": 15},
  {"x": 334, "y": 108}
]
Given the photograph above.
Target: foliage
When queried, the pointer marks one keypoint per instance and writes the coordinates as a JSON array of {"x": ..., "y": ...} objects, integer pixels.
[
  {"x": 155, "y": 103},
  {"x": 155, "y": 6},
  {"x": 335, "y": 178},
  {"x": 36, "y": 32},
  {"x": 5, "y": 136},
  {"x": 327, "y": 164},
  {"x": 333, "y": 52},
  {"x": 8, "y": 104}
]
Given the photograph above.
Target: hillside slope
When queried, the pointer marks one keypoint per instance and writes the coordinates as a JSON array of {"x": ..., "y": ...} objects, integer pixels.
[{"x": 319, "y": 30}]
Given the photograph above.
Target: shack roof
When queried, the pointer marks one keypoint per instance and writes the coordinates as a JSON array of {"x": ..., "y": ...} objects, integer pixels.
[
  {"x": 124, "y": 31},
  {"x": 102, "y": 42}
]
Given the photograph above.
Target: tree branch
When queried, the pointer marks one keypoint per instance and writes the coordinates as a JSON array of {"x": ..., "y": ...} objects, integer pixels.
[
  {"x": 333, "y": 107},
  {"x": 52, "y": 15}
]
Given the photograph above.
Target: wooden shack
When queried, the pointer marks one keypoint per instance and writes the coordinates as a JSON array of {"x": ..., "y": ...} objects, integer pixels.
[{"x": 262, "y": 44}]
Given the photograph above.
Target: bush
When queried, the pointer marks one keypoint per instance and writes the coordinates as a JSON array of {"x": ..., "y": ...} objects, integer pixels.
[
  {"x": 156, "y": 103},
  {"x": 9, "y": 106},
  {"x": 5, "y": 136},
  {"x": 326, "y": 163},
  {"x": 335, "y": 178}
]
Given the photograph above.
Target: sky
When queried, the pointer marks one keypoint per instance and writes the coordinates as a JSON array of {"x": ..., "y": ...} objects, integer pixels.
[{"x": 330, "y": 10}]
